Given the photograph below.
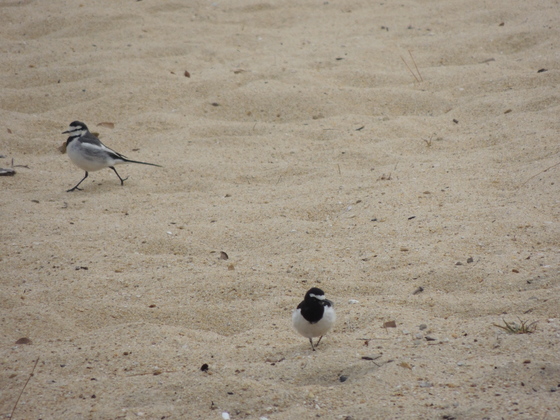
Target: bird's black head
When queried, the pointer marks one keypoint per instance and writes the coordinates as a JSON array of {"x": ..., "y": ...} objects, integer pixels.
[
  {"x": 313, "y": 305},
  {"x": 76, "y": 129},
  {"x": 315, "y": 294}
]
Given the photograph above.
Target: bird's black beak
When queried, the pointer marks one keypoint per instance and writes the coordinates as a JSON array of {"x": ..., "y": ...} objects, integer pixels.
[{"x": 66, "y": 132}]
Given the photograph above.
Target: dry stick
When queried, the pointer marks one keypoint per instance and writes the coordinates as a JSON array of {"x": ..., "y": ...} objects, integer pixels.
[
  {"x": 414, "y": 61},
  {"x": 19, "y": 166},
  {"x": 411, "y": 72},
  {"x": 541, "y": 172},
  {"x": 374, "y": 338},
  {"x": 23, "y": 389},
  {"x": 156, "y": 373}
]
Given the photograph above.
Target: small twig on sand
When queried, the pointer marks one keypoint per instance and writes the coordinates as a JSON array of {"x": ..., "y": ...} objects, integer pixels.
[
  {"x": 373, "y": 338},
  {"x": 154, "y": 373},
  {"x": 418, "y": 78},
  {"x": 414, "y": 61},
  {"x": 411, "y": 72},
  {"x": 541, "y": 172},
  {"x": 23, "y": 389},
  {"x": 19, "y": 166}
]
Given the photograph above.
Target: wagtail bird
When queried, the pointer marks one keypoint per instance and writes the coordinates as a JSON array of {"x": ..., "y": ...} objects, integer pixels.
[
  {"x": 87, "y": 152},
  {"x": 314, "y": 316}
]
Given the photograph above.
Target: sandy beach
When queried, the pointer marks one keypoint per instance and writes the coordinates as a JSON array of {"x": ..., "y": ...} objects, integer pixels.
[{"x": 403, "y": 157}]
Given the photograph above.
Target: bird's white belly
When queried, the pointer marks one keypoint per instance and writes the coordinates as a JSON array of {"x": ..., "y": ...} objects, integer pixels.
[
  {"x": 87, "y": 162},
  {"x": 318, "y": 329}
]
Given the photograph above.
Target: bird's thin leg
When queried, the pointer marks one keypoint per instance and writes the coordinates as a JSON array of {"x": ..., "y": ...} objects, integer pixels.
[
  {"x": 311, "y": 341},
  {"x": 76, "y": 187},
  {"x": 122, "y": 180},
  {"x": 318, "y": 341}
]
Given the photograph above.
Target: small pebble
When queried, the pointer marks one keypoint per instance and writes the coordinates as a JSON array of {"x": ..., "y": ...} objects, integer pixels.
[
  {"x": 374, "y": 357},
  {"x": 425, "y": 384},
  {"x": 225, "y": 415},
  {"x": 343, "y": 378},
  {"x": 422, "y": 327},
  {"x": 418, "y": 290},
  {"x": 353, "y": 301}
]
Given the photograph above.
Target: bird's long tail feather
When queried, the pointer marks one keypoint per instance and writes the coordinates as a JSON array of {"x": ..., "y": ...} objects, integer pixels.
[{"x": 137, "y": 161}]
